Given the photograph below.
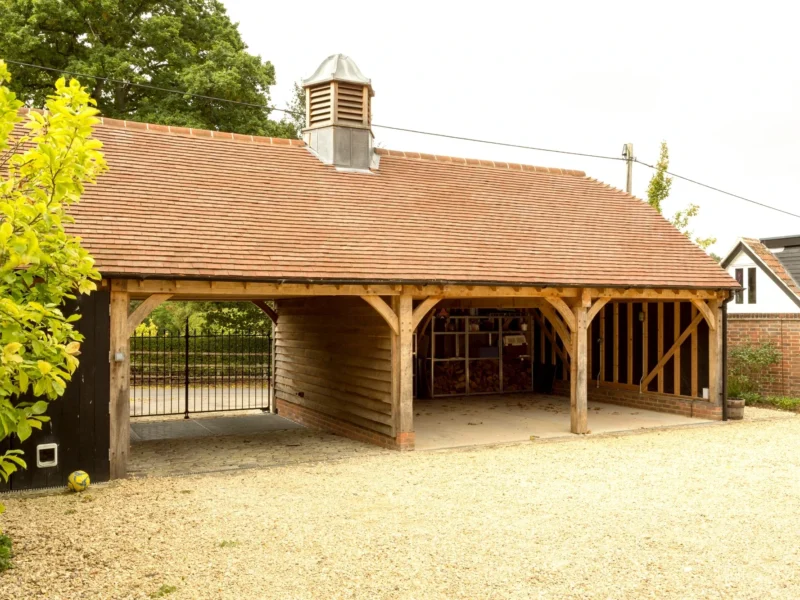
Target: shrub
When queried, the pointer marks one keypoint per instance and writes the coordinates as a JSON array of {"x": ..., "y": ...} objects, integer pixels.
[
  {"x": 5, "y": 552},
  {"x": 749, "y": 370}
]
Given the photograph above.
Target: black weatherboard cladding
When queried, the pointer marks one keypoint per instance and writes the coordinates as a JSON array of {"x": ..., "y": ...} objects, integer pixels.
[
  {"x": 79, "y": 420},
  {"x": 789, "y": 256}
]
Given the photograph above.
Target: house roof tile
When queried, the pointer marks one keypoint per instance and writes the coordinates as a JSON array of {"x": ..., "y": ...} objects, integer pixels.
[
  {"x": 773, "y": 262},
  {"x": 180, "y": 202}
]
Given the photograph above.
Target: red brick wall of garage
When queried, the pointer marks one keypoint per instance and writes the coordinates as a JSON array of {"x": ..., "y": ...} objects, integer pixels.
[
  {"x": 667, "y": 403},
  {"x": 783, "y": 330}
]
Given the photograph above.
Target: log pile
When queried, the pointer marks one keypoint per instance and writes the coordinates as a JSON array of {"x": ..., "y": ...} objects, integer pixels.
[
  {"x": 484, "y": 376},
  {"x": 450, "y": 378},
  {"x": 516, "y": 375}
]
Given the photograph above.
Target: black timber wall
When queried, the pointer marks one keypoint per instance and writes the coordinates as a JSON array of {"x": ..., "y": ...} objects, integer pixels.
[{"x": 79, "y": 420}]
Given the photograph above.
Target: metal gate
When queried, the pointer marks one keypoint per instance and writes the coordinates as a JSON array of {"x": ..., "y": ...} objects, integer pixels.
[{"x": 199, "y": 372}]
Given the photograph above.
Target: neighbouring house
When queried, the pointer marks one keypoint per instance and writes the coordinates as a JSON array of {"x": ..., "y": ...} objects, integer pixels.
[
  {"x": 767, "y": 308},
  {"x": 396, "y": 276}
]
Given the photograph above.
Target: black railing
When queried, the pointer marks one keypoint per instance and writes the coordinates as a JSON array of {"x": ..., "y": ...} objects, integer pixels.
[{"x": 199, "y": 372}]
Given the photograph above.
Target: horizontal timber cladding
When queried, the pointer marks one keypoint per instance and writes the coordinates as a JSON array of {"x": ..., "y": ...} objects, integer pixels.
[
  {"x": 334, "y": 356},
  {"x": 629, "y": 338}
]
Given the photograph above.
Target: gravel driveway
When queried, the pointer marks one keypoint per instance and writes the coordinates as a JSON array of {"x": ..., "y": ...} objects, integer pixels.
[{"x": 706, "y": 512}]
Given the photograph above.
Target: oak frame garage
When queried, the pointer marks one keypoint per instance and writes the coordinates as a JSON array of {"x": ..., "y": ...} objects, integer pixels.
[{"x": 356, "y": 246}]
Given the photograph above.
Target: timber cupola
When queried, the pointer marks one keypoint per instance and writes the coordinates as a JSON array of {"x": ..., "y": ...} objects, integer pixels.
[{"x": 338, "y": 114}]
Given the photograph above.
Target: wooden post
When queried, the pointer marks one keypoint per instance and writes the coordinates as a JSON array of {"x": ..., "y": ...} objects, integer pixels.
[
  {"x": 694, "y": 356},
  {"x": 119, "y": 393},
  {"x": 660, "y": 345},
  {"x": 615, "y": 364},
  {"x": 402, "y": 372},
  {"x": 676, "y": 372},
  {"x": 715, "y": 354},
  {"x": 645, "y": 327},
  {"x": 602, "y": 316},
  {"x": 579, "y": 380},
  {"x": 630, "y": 343}
]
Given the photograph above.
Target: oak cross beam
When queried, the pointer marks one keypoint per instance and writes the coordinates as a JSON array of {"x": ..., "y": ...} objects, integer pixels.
[
  {"x": 565, "y": 311},
  {"x": 559, "y": 326},
  {"x": 550, "y": 336},
  {"x": 422, "y": 309},
  {"x": 596, "y": 308},
  {"x": 385, "y": 311},
  {"x": 664, "y": 359},
  {"x": 706, "y": 311},
  {"x": 267, "y": 309},
  {"x": 144, "y": 309}
]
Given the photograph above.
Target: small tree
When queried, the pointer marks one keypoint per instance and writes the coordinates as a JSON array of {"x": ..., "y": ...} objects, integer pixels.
[
  {"x": 44, "y": 165},
  {"x": 658, "y": 190}
]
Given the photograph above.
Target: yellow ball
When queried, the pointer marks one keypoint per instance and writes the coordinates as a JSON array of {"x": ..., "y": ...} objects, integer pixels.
[{"x": 78, "y": 481}]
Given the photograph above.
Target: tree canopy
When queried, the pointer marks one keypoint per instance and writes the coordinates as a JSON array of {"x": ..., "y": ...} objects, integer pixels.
[
  {"x": 658, "y": 190},
  {"x": 189, "y": 45},
  {"x": 44, "y": 166}
]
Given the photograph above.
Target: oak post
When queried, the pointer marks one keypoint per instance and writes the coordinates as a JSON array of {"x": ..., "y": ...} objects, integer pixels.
[
  {"x": 119, "y": 393},
  {"x": 402, "y": 372},
  {"x": 578, "y": 374},
  {"x": 715, "y": 354}
]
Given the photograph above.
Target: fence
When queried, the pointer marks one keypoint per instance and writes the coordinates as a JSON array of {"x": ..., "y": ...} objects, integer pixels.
[{"x": 199, "y": 372}]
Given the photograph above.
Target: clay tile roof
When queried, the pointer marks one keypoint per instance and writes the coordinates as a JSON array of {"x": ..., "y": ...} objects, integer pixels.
[
  {"x": 181, "y": 202},
  {"x": 769, "y": 259}
]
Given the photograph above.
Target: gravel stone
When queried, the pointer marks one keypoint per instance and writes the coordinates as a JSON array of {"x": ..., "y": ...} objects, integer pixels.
[{"x": 702, "y": 512}]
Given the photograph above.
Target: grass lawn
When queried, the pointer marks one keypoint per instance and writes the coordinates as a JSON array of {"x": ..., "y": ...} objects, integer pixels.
[{"x": 704, "y": 512}]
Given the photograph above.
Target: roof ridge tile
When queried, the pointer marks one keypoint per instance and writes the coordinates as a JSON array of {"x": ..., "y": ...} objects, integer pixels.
[
  {"x": 199, "y": 133},
  {"x": 475, "y": 162}
]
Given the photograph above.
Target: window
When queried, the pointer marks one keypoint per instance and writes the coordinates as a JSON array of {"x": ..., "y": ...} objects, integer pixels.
[
  {"x": 751, "y": 285},
  {"x": 740, "y": 279}
]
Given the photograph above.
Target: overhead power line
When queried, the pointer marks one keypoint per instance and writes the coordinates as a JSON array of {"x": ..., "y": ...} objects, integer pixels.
[
  {"x": 266, "y": 107},
  {"x": 721, "y": 191}
]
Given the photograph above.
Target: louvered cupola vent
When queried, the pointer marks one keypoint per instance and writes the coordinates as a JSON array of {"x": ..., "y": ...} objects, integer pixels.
[{"x": 338, "y": 113}]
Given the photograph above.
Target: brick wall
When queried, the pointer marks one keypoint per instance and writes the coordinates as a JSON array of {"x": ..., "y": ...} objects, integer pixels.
[
  {"x": 648, "y": 400},
  {"x": 783, "y": 330},
  {"x": 322, "y": 422}
]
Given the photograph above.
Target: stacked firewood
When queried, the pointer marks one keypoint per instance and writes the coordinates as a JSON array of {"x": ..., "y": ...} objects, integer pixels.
[
  {"x": 450, "y": 378},
  {"x": 516, "y": 375},
  {"x": 484, "y": 376}
]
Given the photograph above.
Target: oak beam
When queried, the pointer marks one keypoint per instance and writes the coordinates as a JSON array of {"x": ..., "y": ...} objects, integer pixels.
[
  {"x": 707, "y": 312},
  {"x": 422, "y": 309},
  {"x": 676, "y": 331},
  {"x": 119, "y": 390},
  {"x": 550, "y": 335},
  {"x": 267, "y": 309},
  {"x": 564, "y": 310},
  {"x": 597, "y": 307},
  {"x": 695, "y": 355},
  {"x": 675, "y": 348},
  {"x": 579, "y": 381},
  {"x": 385, "y": 311},
  {"x": 715, "y": 354},
  {"x": 629, "y": 378},
  {"x": 615, "y": 363},
  {"x": 402, "y": 372},
  {"x": 144, "y": 309},
  {"x": 550, "y": 314},
  {"x": 660, "y": 345}
]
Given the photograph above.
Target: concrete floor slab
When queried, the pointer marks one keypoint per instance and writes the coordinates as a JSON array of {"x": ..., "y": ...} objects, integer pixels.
[
  {"x": 453, "y": 422},
  {"x": 174, "y": 429}
]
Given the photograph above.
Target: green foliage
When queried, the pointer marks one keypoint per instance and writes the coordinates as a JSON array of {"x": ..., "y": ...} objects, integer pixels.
[
  {"x": 749, "y": 370},
  {"x": 209, "y": 317},
  {"x": 164, "y": 590},
  {"x": 190, "y": 45},
  {"x": 5, "y": 553},
  {"x": 780, "y": 402},
  {"x": 228, "y": 544},
  {"x": 45, "y": 166},
  {"x": 297, "y": 106},
  {"x": 658, "y": 191}
]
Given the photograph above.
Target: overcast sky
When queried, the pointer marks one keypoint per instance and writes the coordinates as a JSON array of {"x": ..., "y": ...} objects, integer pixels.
[{"x": 719, "y": 81}]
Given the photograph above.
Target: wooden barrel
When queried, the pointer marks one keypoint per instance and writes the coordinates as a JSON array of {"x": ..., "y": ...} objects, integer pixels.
[{"x": 735, "y": 409}]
